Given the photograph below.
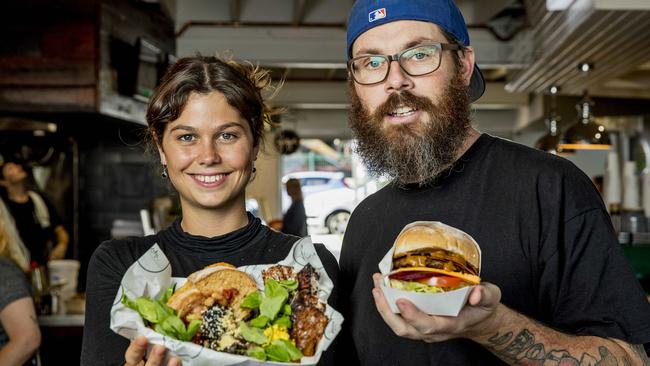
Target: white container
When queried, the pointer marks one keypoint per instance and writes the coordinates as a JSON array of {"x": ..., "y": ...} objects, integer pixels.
[
  {"x": 441, "y": 303},
  {"x": 612, "y": 181},
  {"x": 631, "y": 199},
  {"x": 64, "y": 272}
]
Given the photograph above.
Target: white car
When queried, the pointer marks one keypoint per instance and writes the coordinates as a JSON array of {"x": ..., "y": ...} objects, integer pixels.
[{"x": 328, "y": 199}]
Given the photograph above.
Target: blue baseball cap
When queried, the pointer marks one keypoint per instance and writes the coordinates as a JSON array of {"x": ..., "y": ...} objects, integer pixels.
[{"x": 367, "y": 14}]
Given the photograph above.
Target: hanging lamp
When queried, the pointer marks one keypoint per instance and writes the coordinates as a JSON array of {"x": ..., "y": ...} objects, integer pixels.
[
  {"x": 550, "y": 141},
  {"x": 585, "y": 133}
]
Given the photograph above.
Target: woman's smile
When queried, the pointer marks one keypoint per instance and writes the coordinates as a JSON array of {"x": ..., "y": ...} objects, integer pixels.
[{"x": 209, "y": 180}]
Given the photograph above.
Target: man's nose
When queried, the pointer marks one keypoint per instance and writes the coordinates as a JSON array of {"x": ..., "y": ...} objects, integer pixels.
[
  {"x": 397, "y": 79},
  {"x": 209, "y": 154}
]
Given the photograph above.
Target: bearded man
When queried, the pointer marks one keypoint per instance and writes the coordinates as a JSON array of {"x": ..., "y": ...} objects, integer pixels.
[{"x": 557, "y": 289}]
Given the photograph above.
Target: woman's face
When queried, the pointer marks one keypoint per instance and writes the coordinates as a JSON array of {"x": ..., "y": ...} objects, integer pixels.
[{"x": 209, "y": 153}]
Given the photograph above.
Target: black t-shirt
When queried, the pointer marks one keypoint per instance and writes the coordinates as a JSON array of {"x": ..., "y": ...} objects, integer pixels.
[
  {"x": 546, "y": 241},
  {"x": 31, "y": 232},
  {"x": 252, "y": 244}
]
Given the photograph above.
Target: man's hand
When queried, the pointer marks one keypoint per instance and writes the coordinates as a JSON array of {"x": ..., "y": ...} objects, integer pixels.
[
  {"x": 62, "y": 238},
  {"x": 59, "y": 251},
  {"x": 134, "y": 355},
  {"x": 477, "y": 318}
]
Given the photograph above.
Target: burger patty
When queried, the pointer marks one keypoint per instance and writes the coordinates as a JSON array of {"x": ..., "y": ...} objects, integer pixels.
[{"x": 435, "y": 258}]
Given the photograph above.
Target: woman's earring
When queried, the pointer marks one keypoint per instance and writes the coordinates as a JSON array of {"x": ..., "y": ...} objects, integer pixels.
[
  {"x": 164, "y": 173},
  {"x": 254, "y": 169}
]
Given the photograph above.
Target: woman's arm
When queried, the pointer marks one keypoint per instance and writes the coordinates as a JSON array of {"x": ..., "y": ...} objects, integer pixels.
[{"x": 19, "y": 322}]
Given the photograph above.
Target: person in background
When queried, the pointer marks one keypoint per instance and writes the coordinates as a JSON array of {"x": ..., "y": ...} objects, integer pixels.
[
  {"x": 598, "y": 183},
  {"x": 20, "y": 335},
  {"x": 14, "y": 246},
  {"x": 557, "y": 287},
  {"x": 36, "y": 220},
  {"x": 206, "y": 121},
  {"x": 294, "y": 221}
]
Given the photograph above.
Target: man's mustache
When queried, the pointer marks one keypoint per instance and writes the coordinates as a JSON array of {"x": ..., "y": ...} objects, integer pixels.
[{"x": 402, "y": 99}]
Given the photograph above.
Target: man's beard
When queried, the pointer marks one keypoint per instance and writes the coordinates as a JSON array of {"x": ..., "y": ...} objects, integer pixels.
[{"x": 416, "y": 152}]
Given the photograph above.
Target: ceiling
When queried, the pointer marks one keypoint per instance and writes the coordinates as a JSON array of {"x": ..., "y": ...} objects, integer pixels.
[{"x": 521, "y": 47}]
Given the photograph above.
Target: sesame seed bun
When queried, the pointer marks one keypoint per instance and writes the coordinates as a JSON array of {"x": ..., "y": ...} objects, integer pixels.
[
  {"x": 426, "y": 235},
  {"x": 211, "y": 282}
]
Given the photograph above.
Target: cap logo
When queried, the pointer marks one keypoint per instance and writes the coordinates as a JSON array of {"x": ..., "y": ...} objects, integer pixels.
[{"x": 376, "y": 15}]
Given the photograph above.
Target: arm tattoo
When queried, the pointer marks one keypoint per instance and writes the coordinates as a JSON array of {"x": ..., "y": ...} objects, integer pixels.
[
  {"x": 639, "y": 350},
  {"x": 523, "y": 349}
]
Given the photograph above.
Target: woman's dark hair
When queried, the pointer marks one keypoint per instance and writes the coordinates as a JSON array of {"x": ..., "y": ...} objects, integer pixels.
[{"x": 242, "y": 84}]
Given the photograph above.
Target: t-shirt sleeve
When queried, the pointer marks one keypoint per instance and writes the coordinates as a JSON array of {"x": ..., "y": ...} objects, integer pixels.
[
  {"x": 14, "y": 285},
  {"x": 102, "y": 346},
  {"x": 332, "y": 269},
  {"x": 589, "y": 285},
  {"x": 346, "y": 353}
]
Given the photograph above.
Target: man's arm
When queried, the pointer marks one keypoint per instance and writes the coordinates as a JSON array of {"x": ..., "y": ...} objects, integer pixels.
[
  {"x": 513, "y": 337},
  {"x": 520, "y": 340},
  {"x": 19, "y": 321},
  {"x": 62, "y": 238}
]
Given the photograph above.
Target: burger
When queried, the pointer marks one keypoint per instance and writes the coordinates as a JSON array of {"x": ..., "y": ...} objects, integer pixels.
[
  {"x": 214, "y": 295},
  {"x": 432, "y": 257}
]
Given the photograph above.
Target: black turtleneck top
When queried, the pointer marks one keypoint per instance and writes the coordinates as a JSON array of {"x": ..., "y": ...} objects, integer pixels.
[{"x": 252, "y": 244}]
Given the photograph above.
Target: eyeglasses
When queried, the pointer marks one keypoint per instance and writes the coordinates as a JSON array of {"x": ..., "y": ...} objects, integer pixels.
[{"x": 415, "y": 61}]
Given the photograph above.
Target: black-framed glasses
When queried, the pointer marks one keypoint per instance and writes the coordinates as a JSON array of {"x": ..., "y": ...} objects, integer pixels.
[{"x": 415, "y": 61}]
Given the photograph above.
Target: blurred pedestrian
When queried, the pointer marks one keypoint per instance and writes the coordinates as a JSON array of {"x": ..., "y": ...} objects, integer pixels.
[{"x": 294, "y": 221}]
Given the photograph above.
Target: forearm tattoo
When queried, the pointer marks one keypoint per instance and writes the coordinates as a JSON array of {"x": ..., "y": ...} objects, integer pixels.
[{"x": 523, "y": 349}]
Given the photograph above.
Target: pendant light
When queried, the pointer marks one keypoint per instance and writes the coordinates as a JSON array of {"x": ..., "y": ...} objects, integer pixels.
[
  {"x": 585, "y": 133},
  {"x": 550, "y": 141}
]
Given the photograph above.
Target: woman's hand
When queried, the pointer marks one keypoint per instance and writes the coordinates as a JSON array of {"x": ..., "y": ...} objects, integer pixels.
[{"x": 134, "y": 355}]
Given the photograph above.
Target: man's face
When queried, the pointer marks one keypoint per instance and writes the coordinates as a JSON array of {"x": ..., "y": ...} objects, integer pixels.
[
  {"x": 13, "y": 172},
  {"x": 410, "y": 127}
]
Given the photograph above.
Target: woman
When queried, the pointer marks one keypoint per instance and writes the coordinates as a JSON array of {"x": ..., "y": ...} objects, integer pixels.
[
  {"x": 19, "y": 332},
  {"x": 207, "y": 121}
]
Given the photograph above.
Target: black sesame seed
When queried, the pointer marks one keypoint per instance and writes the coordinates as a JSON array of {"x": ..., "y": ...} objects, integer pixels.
[{"x": 212, "y": 324}]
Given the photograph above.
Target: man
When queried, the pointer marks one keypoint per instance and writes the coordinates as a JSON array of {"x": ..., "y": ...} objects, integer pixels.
[
  {"x": 35, "y": 218},
  {"x": 557, "y": 289},
  {"x": 294, "y": 221}
]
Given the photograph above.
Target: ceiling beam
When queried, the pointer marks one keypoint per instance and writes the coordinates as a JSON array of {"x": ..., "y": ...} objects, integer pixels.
[{"x": 300, "y": 46}]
